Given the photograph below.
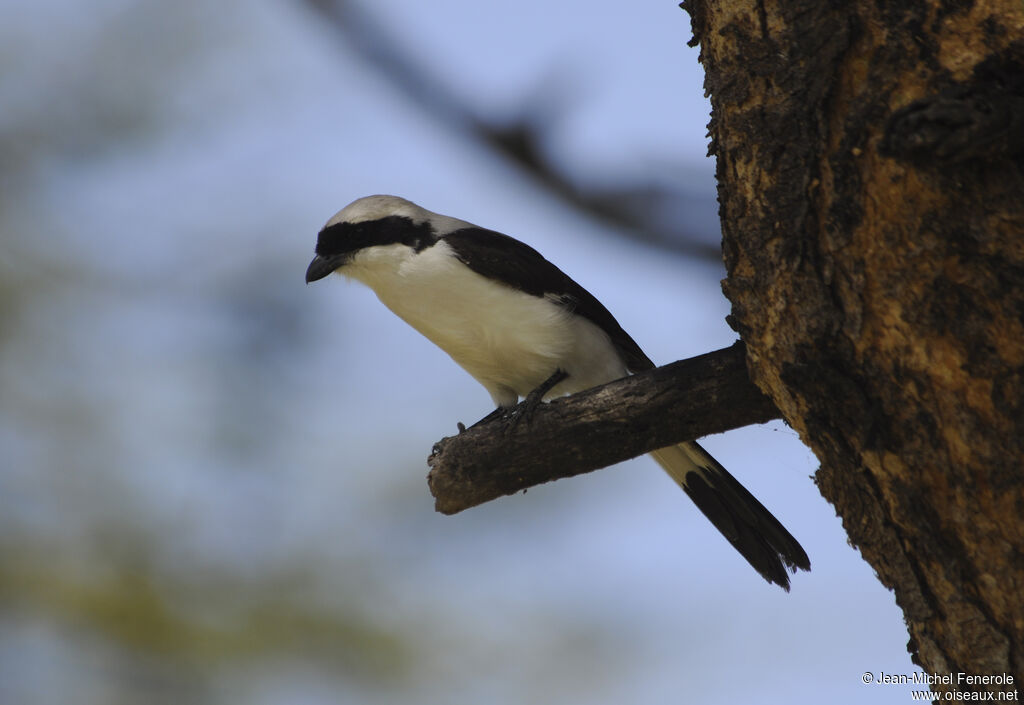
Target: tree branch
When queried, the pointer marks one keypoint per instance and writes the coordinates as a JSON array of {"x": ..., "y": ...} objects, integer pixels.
[{"x": 682, "y": 401}]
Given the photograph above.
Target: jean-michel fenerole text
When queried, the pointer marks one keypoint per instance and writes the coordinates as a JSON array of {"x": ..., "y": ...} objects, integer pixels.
[{"x": 961, "y": 679}]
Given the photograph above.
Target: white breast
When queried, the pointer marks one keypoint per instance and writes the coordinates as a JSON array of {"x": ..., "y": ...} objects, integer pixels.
[{"x": 507, "y": 340}]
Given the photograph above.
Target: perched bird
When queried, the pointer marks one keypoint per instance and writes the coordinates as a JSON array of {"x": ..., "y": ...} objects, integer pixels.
[{"x": 522, "y": 328}]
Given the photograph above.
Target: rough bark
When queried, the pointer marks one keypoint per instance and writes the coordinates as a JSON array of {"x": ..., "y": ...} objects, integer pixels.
[
  {"x": 685, "y": 400},
  {"x": 871, "y": 182}
]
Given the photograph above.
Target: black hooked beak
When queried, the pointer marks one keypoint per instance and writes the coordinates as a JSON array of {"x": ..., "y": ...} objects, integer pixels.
[{"x": 321, "y": 266}]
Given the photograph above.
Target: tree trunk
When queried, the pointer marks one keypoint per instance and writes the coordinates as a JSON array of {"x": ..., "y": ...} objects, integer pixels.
[{"x": 871, "y": 182}]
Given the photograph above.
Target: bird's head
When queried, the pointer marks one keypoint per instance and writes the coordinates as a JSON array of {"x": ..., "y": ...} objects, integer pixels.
[
  {"x": 374, "y": 222},
  {"x": 366, "y": 222}
]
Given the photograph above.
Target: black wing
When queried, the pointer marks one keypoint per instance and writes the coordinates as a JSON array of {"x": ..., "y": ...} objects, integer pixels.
[{"x": 521, "y": 267}]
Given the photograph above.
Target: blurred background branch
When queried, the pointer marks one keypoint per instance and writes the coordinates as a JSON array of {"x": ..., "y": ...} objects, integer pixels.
[{"x": 650, "y": 209}]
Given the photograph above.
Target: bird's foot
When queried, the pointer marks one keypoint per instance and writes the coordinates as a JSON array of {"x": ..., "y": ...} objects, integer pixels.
[{"x": 525, "y": 409}]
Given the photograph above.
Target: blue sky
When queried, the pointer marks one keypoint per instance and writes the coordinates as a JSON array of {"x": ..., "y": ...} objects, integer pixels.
[{"x": 172, "y": 389}]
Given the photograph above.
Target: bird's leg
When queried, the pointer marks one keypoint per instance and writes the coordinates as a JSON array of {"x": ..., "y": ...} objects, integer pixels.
[
  {"x": 525, "y": 409},
  {"x": 529, "y": 405}
]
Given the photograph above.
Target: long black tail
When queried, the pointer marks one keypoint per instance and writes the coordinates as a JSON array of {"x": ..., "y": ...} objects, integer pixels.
[{"x": 749, "y": 527}]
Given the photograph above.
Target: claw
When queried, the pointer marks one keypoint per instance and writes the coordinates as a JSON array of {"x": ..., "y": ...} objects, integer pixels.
[{"x": 498, "y": 413}]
